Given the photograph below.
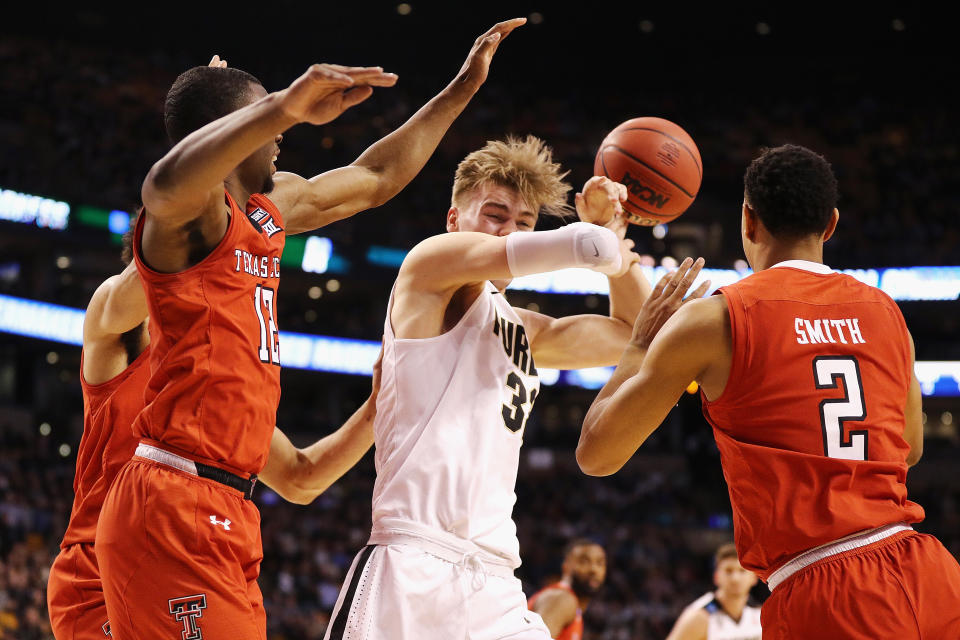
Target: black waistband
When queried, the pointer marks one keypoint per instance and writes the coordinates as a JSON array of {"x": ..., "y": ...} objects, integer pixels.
[{"x": 244, "y": 485}]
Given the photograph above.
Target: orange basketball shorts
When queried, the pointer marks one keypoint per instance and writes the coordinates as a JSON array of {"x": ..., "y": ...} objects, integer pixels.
[
  {"x": 75, "y": 596},
  {"x": 906, "y": 587},
  {"x": 179, "y": 557}
]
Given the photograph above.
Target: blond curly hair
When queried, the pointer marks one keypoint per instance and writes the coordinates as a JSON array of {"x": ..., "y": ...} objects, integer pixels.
[{"x": 525, "y": 165}]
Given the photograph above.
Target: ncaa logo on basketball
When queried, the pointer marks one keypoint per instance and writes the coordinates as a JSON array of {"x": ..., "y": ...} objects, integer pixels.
[
  {"x": 186, "y": 610},
  {"x": 643, "y": 192}
]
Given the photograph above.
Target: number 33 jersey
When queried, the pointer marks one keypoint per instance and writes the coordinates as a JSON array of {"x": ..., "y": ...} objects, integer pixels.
[
  {"x": 450, "y": 418},
  {"x": 215, "y": 356},
  {"x": 810, "y": 426}
]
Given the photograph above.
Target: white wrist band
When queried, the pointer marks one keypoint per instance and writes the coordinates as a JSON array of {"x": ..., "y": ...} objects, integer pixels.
[{"x": 576, "y": 245}]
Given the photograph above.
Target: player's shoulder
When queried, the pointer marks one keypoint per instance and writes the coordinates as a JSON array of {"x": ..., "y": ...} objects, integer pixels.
[
  {"x": 705, "y": 318},
  {"x": 693, "y": 621},
  {"x": 286, "y": 190},
  {"x": 704, "y": 603}
]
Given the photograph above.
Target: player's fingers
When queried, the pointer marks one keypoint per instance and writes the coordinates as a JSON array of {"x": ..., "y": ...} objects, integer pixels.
[
  {"x": 507, "y": 26},
  {"x": 630, "y": 243},
  {"x": 698, "y": 292},
  {"x": 322, "y": 73},
  {"x": 376, "y": 76},
  {"x": 489, "y": 43},
  {"x": 382, "y": 80},
  {"x": 503, "y": 28},
  {"x": 660, "y": 286},
  {"x": 343, "y": 68},
  {"x": 677, "y": 275},
  {"x": 352, "y": 97},
  {"x": 690, "y": 274}
]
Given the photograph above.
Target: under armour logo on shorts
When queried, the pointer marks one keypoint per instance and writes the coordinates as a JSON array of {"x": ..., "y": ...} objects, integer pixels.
[
  {"x": 186, "y": 610},
  {"x": 225, "y": 522}
]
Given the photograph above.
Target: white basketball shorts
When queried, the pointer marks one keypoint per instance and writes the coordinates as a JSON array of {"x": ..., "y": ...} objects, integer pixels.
[{"x": 399, "y": 592}]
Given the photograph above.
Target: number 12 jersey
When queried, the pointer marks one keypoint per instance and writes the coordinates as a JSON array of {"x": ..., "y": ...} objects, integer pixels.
[{"x": 215, "y": 356}]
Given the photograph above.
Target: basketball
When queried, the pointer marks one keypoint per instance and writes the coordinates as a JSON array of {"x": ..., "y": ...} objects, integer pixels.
[{"x": 659, "y": 164}]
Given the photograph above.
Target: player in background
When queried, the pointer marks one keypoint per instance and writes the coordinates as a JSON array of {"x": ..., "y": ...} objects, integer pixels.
[
  {"x": 561, "y": 604},
  {"x": 113, "y": 374},
  {"x": 459, "y": 381},
  {"x": 807, "y": 379},
  {"x": 722, "y": 614},
  {"x": 178, "y": 540}
]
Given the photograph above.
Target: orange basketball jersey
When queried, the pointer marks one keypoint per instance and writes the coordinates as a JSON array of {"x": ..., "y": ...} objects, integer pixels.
[
  {"x": 810, "y": 425},
  {"x": 215, "y": 360},
  {"x": 107, "y": 443},
  {"x": 574, "y": 630}
]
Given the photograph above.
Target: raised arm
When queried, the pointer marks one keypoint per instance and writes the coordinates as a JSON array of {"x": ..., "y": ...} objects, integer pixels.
[
  {"x": 186, "y": 185},
  {"x": 300, "y": 475},
  {"x": 385, "y": 168},
  {"x": 655, "y": 369},
  {"x": 117, "y": 306}
]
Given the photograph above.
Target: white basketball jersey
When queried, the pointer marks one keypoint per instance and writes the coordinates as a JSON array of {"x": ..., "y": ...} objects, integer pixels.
[
  {"x": 722, "y": 627},
  {"x": 450, "y": 419}
]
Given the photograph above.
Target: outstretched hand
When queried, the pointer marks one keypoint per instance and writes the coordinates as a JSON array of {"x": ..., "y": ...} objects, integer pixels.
[
  {"x": 325, "y": 91},
  {"x": 665, "y": 299},
  {"x": 474, "y": 70}
]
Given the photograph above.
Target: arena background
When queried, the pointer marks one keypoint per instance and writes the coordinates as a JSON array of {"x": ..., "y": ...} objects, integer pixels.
[{"x": 81, "y": 94}]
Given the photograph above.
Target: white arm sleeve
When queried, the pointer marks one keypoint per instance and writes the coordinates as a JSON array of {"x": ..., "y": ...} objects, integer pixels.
[{"x": 580, "y": 244}]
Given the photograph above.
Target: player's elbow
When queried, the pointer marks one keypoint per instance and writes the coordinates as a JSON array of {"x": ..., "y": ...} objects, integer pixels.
[
  {"x": 303, "y": 498},
  {"x": 592, "y": 463},
  {"x": 157, "y": 186},
  {"x": 294, "y": 493},
  {"x": 916, "y": 452}
]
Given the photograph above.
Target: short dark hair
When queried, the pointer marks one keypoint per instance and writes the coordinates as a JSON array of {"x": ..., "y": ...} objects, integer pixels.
[
  {"x": 201, "y": 95},
  {"x": 725, "y": 551},
  {"x": 792, "y": 189},
  {"x": 577, "y": 543}
]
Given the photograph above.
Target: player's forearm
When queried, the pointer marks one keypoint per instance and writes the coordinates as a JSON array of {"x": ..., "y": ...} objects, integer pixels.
[
  {"x": 397, "y": 158},
  {"x": 455, "y": 259},
  {"x": 325, "y": 461},
  {"x": 611, "y": 426},
  {"x": 201, "y": 162},
  {"x": 627, "y": 294}
]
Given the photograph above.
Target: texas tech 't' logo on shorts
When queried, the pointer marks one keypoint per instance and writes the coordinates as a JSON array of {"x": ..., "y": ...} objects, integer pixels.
[{"x": 186, "y": 610}]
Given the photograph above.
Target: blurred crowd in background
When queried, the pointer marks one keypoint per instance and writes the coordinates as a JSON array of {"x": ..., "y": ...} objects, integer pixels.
[{"x": 81, "y": 122}]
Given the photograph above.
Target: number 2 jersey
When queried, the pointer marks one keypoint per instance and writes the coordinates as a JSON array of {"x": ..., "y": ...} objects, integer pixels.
[
  {"x": 450, "y": 418},
  {"x": 215, "y": 352},
  {"x": 810, "y": 425}
]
